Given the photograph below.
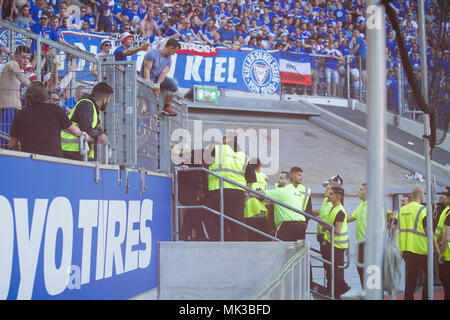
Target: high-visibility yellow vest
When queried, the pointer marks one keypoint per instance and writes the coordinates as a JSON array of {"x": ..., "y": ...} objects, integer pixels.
[
  {"x": 323, "y": 213},
  {"x": 440, "y": 230},
  {"x": 253, "y": 206},
  {"x": 411, "y": 235},
  {"x": 305, "y": 194},
  {"x": 341, "y": 238},
  {"x": 69, "y": 142},
  {"x": 228, "y": 164}
]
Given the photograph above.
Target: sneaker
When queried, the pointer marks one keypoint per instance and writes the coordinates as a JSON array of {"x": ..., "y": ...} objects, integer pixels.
[
  {"x": 342, "y": 291},
  {"x": 168, "y": 111}
]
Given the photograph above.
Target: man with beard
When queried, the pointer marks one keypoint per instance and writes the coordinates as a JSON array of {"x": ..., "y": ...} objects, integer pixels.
[{"x": 86, "y": 116}]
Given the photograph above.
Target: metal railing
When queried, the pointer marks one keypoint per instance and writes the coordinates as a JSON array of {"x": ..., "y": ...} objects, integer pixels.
[
  {"x": 139, "y": 137},
  {"x": 291, "y": 281},
  {"x": 260, "y": 195}
]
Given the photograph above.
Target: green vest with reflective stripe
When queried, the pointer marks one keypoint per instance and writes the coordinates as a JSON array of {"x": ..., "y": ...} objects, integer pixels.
[
  {"x": 360, "y": 214},
  {"x": 305, "y": 194},
  {"x": 69, "y": 142},
  {"x": 411, "y": 235},
  {"x": 440, "y": 230},
  {"x": 341, "y": 238},
  {"x": 253, "y": 206},
  {"x": 323, "y": 213},
  {"x": 228, "y": 164}
]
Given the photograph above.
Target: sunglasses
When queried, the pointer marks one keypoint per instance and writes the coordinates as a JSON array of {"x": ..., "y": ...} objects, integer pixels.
[{"x": 44, "y": 18}]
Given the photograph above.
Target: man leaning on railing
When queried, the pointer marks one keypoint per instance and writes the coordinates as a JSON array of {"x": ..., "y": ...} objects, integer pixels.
[{"x": 38, "y": 127}]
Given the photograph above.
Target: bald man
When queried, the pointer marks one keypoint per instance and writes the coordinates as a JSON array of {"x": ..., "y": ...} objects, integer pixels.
[{"x": 412, "y": 241}]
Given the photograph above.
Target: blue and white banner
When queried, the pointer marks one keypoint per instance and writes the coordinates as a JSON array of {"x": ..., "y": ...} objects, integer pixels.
[
  {"x": 63, "y": 236},
  {"x": 254, "y": 71}
]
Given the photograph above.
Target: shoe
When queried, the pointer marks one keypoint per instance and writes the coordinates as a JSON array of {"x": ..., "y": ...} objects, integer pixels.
[
  {"x": 342, "y": 291},
  {"x": 168, "y": 111}
]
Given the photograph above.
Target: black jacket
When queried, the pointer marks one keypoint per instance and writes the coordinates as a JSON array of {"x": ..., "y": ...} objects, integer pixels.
[{"x": 83, "y": 115}]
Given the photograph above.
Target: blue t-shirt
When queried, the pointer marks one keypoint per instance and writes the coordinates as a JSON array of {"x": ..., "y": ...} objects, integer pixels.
[
  {"x": 340, "y": 14},
  {"x": 117, "y": 55},
  {"x": 226, "y": 35},
  {"x": 46, "y": 33},
  {"x": 35, "y": 12},
  {"x": 171, "y": 31},
  {"x": 159, "y": 63},
  {"x": 331, "y": 63},
  {"x": 362, "y": 50},
  {"x": 90, "y": 18}
]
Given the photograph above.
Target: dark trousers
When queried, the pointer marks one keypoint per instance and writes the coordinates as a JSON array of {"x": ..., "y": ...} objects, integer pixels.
[
  {"x": 339, "y": 282},
  {"x": 291, "y": 231},
  {"x": 259, "y": 223},
  {"x": 444, "y": 276},
  {"x": 361, "y": 260},
  {"x": 233, "y": 204},
  {"x": 414, "y": 263}
]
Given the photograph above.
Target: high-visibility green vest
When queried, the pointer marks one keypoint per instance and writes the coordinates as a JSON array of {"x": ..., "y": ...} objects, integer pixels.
[
  {"x": 253, "y": 206},
  {"x": 228, "y": 164},
  {"x": 305, "y": 193},
  {"x": 411, "y": 235},
  {"x": 341, "y": 238},
  {"x": 360, "y": 214},
  {"x": 440, "y": 230},
  {"x": 323, "y": 213},
  {"x": 69, "y": 142}
]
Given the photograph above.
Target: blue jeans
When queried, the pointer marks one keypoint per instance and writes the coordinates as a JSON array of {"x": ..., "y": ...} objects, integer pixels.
[{"x": 169, "y": 84}]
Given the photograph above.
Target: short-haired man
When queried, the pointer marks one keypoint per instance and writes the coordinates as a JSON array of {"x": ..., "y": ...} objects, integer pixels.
[
  {"x": 38, "y": 127},
  {"x": 360, "y": 216},
  {"x": 412, "y": 241},
  {"x": 290, "y": 225},
  {"x": 86, "y": 115},
  {"x": 125, "y": 51},
  {"x": 12, "y": 78},
  {"x": 156, "y": 66},
  {"x": 23, "y": 18}
]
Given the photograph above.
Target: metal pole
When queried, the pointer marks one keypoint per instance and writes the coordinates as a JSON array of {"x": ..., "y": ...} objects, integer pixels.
[
  {"x": 347, "y": 72},
  {"x": 376, "y": 136},
  {"x": 400, "y": 90},
  {"x": 221, "y": 211},
  {"x": 427, "y": 151},
  {"x": 177, "y": 234}
]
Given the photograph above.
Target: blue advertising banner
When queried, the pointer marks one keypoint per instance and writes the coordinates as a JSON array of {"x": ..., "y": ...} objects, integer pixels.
[{"x": 65, "y": 237}]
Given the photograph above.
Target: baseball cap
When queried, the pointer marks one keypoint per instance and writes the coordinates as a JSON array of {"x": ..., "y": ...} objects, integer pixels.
[
  {"x": 125, "y": 36},
  {"x": 105, "y": 41}
]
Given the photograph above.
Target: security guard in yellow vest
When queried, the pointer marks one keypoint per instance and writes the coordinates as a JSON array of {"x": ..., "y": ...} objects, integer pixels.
[
  {"x": 360, "y": 216},
  {"x": 255, "y": 211},
  {"x": 86, "y": 115},
  {"x": 338, "y": 218},
  {"x": 230, "y": 162},
  {"x": 442, "y": 244},
  {"x": 412, "y": 241},
  {"x": 297, "y": 179}
]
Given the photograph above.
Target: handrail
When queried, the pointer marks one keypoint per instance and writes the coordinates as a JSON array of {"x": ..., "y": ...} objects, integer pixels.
[
  {"x": 261, "y": 195},
  {"x": 278, "y": 276}
]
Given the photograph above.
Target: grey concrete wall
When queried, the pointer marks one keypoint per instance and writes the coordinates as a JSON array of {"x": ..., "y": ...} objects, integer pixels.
[{"x": 217, "y": 270}]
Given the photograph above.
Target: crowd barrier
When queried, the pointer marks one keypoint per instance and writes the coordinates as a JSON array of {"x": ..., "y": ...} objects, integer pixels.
[{"x": 138, "y": 135}]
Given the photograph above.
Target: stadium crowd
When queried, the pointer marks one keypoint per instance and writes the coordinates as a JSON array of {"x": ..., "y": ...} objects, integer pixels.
[{"x": 333, "y": 29}]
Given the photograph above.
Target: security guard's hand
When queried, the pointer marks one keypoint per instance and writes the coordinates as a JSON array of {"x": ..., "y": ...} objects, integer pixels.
[{"x": 103, "y": 138}]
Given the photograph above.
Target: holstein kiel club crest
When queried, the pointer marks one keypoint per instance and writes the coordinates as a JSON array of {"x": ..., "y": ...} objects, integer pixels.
[{"x": 261, "y": 72}]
